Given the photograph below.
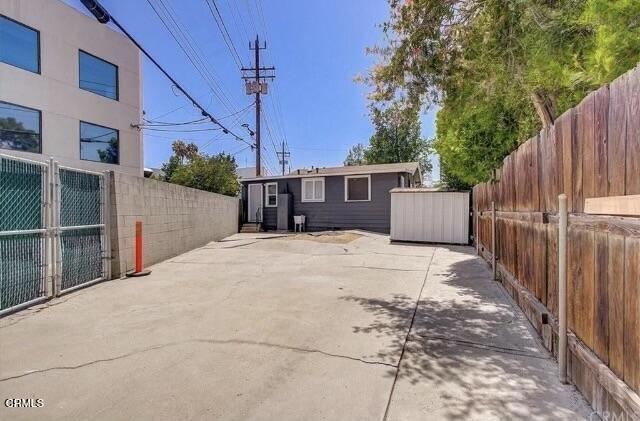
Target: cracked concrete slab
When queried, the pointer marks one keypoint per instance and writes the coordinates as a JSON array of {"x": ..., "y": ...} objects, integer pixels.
[{"x": 261, "y": 328}]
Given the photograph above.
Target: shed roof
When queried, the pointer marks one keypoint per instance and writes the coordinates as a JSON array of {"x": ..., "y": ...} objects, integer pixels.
[{"x": 409, "y": 167}]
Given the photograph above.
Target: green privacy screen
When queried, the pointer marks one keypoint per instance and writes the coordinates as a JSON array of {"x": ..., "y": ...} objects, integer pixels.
[
  {"x": 81, "y": 248},
  {"x": 21, "y": 255}
]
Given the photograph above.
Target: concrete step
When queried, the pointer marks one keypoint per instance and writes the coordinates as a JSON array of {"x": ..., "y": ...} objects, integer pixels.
[{"x": 250, "y": 228}]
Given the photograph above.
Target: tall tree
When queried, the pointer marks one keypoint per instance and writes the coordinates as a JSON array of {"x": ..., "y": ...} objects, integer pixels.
[
  {"x": 397, "y": 137},
  {"x": 499, "y": 70},
  {"x": 356, "y": 155}
]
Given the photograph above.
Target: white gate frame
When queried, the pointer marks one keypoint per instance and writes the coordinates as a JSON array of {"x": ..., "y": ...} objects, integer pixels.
[
  {"x": 51, "y": 232},
  {"x": 104, "y": 225}
]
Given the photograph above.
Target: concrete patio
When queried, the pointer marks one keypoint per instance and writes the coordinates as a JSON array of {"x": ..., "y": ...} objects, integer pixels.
[{"x": 268, "y": 327}]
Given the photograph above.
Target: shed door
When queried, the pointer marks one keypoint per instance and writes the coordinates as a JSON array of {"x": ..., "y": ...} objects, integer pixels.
[{"x": 254, "y": 211}]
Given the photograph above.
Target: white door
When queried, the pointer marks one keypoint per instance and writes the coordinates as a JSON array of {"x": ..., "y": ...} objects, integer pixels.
[{"x": 254, "y": 201}]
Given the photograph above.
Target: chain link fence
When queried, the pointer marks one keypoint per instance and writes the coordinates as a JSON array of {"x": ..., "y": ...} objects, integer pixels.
[
  {"x": 81, "y": 225},
  {"x": 53, "y": 231},
  {"x": 23, "y": 270}
]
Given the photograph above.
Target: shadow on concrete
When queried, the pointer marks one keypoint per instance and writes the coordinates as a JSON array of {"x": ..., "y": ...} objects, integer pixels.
[{"x": 470, "y": 348}]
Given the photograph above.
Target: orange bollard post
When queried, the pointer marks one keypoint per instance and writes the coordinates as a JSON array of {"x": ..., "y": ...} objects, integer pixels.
[
  {"x": 139, "y": 270},
  {"x": 138, "y": 246}
]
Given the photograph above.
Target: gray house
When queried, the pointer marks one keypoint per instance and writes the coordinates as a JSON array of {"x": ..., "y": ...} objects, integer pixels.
[{"x": 353, "y": 197}]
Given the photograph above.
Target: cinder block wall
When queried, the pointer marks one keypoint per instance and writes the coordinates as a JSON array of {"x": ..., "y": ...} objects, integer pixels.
[{"x": 175, "y": 219}]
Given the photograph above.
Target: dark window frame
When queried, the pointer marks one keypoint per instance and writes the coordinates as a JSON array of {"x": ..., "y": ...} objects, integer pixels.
[
  {"x": 80, "y": 142},
  {"x": 346, "y": 187},
  {"x": 39, "y": 71},
  {"x": 117, "y": 98},
  {"x": 39, "y": 127}
]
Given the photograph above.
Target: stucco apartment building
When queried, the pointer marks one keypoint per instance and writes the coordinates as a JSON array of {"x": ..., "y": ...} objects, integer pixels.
[{"x": 70, "y": 88}]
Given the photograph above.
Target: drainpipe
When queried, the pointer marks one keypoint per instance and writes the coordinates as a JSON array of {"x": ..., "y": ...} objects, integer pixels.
[{"x": 562, "y": 288}]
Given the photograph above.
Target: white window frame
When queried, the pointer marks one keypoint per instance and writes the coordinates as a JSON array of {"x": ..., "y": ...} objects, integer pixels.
[
  {"x": 346, "y": 187},
  {"x": 266, "y": 194},
  {"x": 302, "y": 189}
]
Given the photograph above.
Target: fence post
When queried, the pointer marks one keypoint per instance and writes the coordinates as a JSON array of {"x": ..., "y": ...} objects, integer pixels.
[
  {"x": 562, "y": 288},
  {"x": 493, "y": 240},
  {"x": 57, "y": 234},
  {"x": 106, "y": 208},
  {"x": 50, "y": 235}
]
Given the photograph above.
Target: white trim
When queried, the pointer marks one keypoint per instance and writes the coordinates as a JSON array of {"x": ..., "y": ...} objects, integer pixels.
[
  {"x": 412, "y": 169},
  {"x": 266, "y": 194},
  {"x": 249, "y": 218},
  {"x": 346, "y": 188},
  {"x": 313, "y": 180}
]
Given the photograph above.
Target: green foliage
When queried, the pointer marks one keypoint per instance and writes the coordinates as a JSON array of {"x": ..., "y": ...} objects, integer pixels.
[
  {"x": 356, "y": 155},
  {"x": 500, "y": 69},
  {"x": 214, "y": 173},
  {"x": 397, "y": 138}
]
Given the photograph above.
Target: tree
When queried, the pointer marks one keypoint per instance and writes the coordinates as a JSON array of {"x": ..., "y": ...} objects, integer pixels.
[
  {"x": 13, "y": 135},
  {"x": 110, "y": 154},
  {"x": 214, "y": 173},
  {"x": 397, "y": 137},
  {"x": 356, "y": 155},
  {"x": 499, "y": 70}
]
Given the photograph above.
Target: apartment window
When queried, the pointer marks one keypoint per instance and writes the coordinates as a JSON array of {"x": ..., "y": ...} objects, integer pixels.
[
  {"x": 98, "y": 143},
  {"x": 20, "y": 128},
  {"x": 357, "y": 188},
  {"x": 19, "y": 45},
  {"x": 98, "y": 76},
  {"x": 272, "y": 195},
  {"x": 313, "y": 189}
]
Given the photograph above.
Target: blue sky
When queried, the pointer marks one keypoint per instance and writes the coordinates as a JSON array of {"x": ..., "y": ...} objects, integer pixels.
[{"x": 317, "y": 47}]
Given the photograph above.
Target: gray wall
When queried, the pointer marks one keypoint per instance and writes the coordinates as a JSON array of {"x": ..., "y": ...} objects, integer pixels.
[
  {"x": 175, "y": 219},
  {"x": 334, "y": 212}
]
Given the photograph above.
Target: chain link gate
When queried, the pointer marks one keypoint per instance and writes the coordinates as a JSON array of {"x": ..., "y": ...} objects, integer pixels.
[
  {"x": 80, "y": 214},
  {"x": 24, "y": 252},
  {"x": 54, "y": 231}
]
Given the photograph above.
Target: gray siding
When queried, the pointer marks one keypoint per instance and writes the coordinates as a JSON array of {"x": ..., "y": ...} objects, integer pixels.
[{"x": 334, "y": 212}]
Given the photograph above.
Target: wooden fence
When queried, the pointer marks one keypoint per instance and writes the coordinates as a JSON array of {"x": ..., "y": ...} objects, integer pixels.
[{"x": 592, "y": 150}]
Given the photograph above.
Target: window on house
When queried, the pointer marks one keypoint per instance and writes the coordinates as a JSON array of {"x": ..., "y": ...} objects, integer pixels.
[
  {"x": 19, "y": 128},
  {"x": 19, "y": 45},
  {"x": 313, "y": 189},
  {"x": 272, "y": 195},
  {"x": 98, "y": 143},
  {"x": 357, "y": 188},
  {"x": 98, "y": 76}
]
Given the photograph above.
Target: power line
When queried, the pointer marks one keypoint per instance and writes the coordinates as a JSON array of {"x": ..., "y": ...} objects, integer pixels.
[
  {"x": 103, "y": 16},
  {"x": 186, "y": 45},
  {"x": 223, "y": 31}
]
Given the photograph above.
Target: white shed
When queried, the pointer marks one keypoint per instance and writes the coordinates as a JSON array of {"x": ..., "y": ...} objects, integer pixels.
[{"x": 428, "y": 215}]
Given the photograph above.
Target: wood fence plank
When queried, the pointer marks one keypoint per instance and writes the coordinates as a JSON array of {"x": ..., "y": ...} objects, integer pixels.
[
  {"x": 574, "y": 276},
  {"x": 617, "y": 136},
  {"x": 633, "y": 133},
  {"x": 539, "y": 260},
  {"x": 585, "y": 137},
  {"x": 601, "y": 290},
  {"x": 576, "y": 167},
  {"x": 534, "y": 174},
  {"x": 600, "y": 132},
  {"x": 632, "y": 314},
  {"x": 587, "y": 261},
  {"x": 615, "y": 276},
  {"x": 552, "y": 268},
  {"x": 613, "y": 205}
]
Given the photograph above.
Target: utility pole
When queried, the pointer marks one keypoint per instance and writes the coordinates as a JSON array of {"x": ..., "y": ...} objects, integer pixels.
[
  {"x": 256, "y": 83},
  {"x": 282, "y": 156}
]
